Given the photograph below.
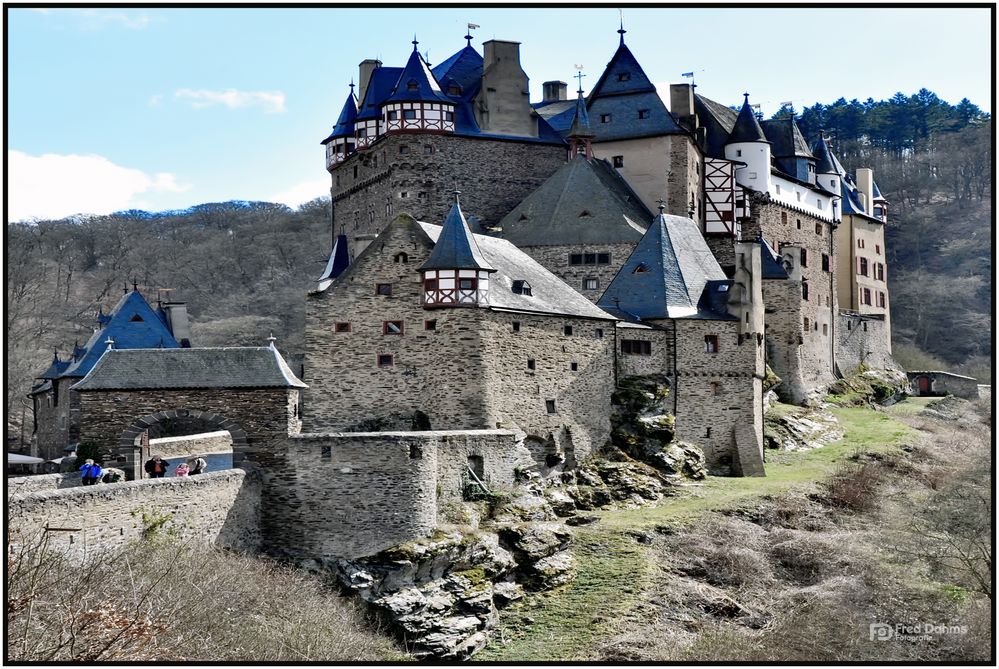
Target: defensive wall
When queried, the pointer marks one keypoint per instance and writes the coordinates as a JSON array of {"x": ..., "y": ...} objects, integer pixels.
[
  {"x": 943, "y": 383},
  {"x": 862, "y": 339}
]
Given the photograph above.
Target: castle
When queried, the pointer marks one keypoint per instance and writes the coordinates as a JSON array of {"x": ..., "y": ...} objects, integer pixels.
[{"x": 594, "y": 239}]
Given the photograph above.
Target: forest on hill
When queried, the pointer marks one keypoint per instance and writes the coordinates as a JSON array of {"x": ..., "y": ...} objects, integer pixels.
[{"x": 244, "y": 267}]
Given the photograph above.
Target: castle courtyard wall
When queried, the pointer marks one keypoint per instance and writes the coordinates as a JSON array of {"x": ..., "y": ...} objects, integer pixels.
[
  {"x": 222, "y": 508},
  {"x": 556, "y": 260}
]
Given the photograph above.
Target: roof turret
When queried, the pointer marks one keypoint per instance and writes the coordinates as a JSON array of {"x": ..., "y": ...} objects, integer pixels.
[
  {"x": 826, "y": 161},
  {"x": 456, "y": 248},
  {"x": 747, "y": 127},
  {"x": 581, "y": 121},
  {"x": 417, "y": 83},
  {"x": 345, "y": 123}
]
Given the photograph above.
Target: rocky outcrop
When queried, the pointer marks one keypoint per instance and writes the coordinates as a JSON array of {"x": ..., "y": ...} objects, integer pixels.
[{"x": 800, "y": 429}]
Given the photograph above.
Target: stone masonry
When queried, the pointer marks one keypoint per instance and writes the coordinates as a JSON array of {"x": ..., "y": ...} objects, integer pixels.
[{"x": 556, "y": 260}]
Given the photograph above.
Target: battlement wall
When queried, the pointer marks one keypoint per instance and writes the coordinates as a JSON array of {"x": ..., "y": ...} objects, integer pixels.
[{"x": 218, "y": 507}]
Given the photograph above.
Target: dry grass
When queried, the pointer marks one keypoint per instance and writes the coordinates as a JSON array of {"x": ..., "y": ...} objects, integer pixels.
[{"x": 163, "y": 601}]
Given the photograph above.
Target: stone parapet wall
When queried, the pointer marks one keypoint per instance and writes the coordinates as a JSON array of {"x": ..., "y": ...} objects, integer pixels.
[
  {"x": 354, "y": 494},
  {"x": 192, "y": 444},
  {"x": 863, "y": 339},
  {"x": 219, "y": 507},
  {"x": 23, "y": 485}
]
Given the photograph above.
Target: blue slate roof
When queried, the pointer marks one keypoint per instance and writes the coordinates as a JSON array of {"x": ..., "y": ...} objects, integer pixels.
[
  {"x": 559, "y": 114},
  {"x": 416, "y": 83},
  {"x": 131, "y": 324},
  {"x": 718, "y": 122},
  {"x": 580, "y": 121},
  {"x": 622, "y": 100},
  {"x": 456, "y": 248},
  {"x": 345, "y": 124},
  {"x": 383, "y": 80},
  {"x": 771, "y": 263},
  {"x": 338, "y": 262},
  {"x": 464, "y": 69},
  {"x": 56, "y": 368},
  {"x": 747, "y": 127},
  {"x": 826, "y": 162},
  {"x": 851, "y": 202},
  {"x": 877, "y": 193},
  {"x": 670, "y": 274}
]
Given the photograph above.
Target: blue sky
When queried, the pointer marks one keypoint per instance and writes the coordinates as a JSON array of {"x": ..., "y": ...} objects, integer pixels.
[{"x": 118, "y": 108}]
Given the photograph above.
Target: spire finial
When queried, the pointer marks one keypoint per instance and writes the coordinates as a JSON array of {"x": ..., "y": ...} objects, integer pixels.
[
  {"x": 747, "y": 98},
  {"x": 124, "y": 289},
  {"x": 456, "y": 194},
  {"x": 662, "y": 205},
  {"x": 271, "y": 340},
  {"x": 135, "y": 285},
  {"x": 352, "y": 85},
  {"x": 415, "y": 42},
  {"x": 579, "y": 76},
  {"x": 110, "y": 342},
  {"x": 468, "y": 35},
  {"x": 621, "y": 31}
]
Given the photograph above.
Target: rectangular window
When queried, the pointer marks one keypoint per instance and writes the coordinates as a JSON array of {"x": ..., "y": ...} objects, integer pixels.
[
  {"x": 860, "y": 243},
  {"x": 825, "y": 262},
  {"x": 383, "y": 289},
  {"x": 341, "y": 327},
  {"x": 818, "y": 228},
  {"x": 618, "y": 161},
  {"x": 589, "y": 258},
  {"x": 877, "y": 249},
  {"x": 603, "y": 258},
  {"x": 516, "y": 326},
  {"x": 326, "y": 453},
  {"x": 880, "y": 270},
  {"x": 575, "y": 258},
  {"x": 862, "y": 268},
  {"x": 867, "y": 296},
  {"x": 882, "y": 301},
  {"x": 590, "y": 283},
  {"x": 600, "y": 333},
  {"x": 430, "y": 325},
  {"x": 467, "y": 284},
  {"x": 710, "y": 343},
  {"x": 430, "y": 285},
  {"x": 624, "y": 76},
  {"x": 392, "y": 327},
  {"x": 605, "y": 118},
  {"x": 783, "y": 217},
  {"x": 409, "y": 114},
  {"x": 804, "y": 257},
  {"x": 804, "y": 290},
  {"x": 567, "y": 330},
  {"x": 385, "y": 360},
  {"x": 550, "y": 406},
  {"x": 574, "y": 366},
  {"x": 428, "y": 149},
  {"x": 531, "y": 364},
  {"x": 403, "y": 148},
  {"x": 643, "y": 113},
  {"x": 636, "y": 347},
  {"x": 797, "y": 223},
  {"x": 415, "y": 452}
]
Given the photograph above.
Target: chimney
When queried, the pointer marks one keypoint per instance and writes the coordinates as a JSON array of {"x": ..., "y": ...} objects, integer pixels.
[
  {"x": 177, "y": 321},
  {"x": 554, "y": 91},
  {"x": 367, "y": 67},
  {"x": 681, "y": 103},
  {"x": 502, "y": 105},
  {"x": 865, "y": 184},
  {"x": 496, "y": 50}
]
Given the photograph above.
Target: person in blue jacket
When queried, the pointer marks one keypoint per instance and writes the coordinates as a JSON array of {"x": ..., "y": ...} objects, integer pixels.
[{"x": 91, "y": 472}]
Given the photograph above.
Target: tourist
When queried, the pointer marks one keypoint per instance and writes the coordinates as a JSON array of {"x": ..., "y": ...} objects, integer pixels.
[
  {"x": 197, "y": 464},
  {"x": 112, "y": 475},
  {"x": 156, "y": 467},
  {"x": 182, "y": 470},
  {"x": 91, "y": 472}
]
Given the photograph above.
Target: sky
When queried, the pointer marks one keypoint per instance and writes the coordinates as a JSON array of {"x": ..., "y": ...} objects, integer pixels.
[{"x": 165, "y": 108}]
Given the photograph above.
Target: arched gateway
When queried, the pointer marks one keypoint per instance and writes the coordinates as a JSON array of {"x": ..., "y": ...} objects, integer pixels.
[{"x": 249, "y": 392}]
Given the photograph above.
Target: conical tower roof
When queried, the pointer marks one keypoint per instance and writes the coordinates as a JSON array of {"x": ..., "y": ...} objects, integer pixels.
[
  {"x": 456, "y": 248},
  {"x": 747, "y": 127},
  {"x": 417, "y": 83},
  {"x": 345, "y": 123},
  {"x": 581, "y": 121},
  {"x": 826, "y": 161}
]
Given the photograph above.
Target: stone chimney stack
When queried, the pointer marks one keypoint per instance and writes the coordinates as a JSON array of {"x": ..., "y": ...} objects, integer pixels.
[
  {"x": 177, "y": 320},
  {"x": 865, "y": 184},
  {"x": 555, "y": 91},
  {"x": 367, "y": 67},
  {"x": 503, "y": 106},
  {"x": 681, "y": 103}
]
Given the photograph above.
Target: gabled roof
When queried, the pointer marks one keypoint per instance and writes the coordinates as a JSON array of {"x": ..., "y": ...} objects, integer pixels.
[
  {"x": 772, "y": 266},
  {"x": 876, "y": 195},
  {"x": 584, "y": 202},
  {"x": 549, "y": 294},
  {"x": 242, "y": 367},
  {"x": 345, "y": 124},
  {"x": 747, "y": 127},
  {"x": 851, "y": 199},
  {"x": 338, "y": 262},
  {"x": 559, "y": 114},
  {"x": 416, "y": 83},
  {"x": 718, "y": 122},
  {"x": 622, "y": 90},
  {"x": 131, "y": 324},
  {"x": 456, "y": 247},
  {"x": 786, "y": 140},
  {"x": 380, "y": 86},
  {"x": 670, "y": 274},
  {"x": 464, "y": 69}
]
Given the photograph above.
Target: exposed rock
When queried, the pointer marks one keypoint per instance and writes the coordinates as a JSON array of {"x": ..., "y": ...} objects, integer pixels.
[
  {"x": 561, "y": 503},
  {"x": 581, "y": 520},
  {"x": 803, "y": 429},
  {"x": 681, "y": 458},
  {"x": 522, "y": 508},
  {"x": 552, "y": 571},
  {"x": 507, "y": 592}
]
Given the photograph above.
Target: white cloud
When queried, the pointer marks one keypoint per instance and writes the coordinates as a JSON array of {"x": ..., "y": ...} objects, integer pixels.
[
  {"x": 272, "y": 102},
  {"x": 155, "y": 100},
  {"x": 302, "y": 193},
  {"x": 56, "y": 186}
]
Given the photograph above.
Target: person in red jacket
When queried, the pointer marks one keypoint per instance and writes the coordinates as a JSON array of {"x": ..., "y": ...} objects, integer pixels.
[{"x": 156, "y": 467}]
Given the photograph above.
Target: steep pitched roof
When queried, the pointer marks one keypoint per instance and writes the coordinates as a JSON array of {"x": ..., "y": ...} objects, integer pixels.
[
  {"x": 380, "y": 86},
  {"x": 670, "y": 274},
  {"x": 243, "y": 367},
  {"x": 584, "y": 202},
  {"x": 580, "y": 120},
  {"x": 345, "y": 123},
  {"x": 464, "y": 69},
  {"x": 718, "y": 122},
  {"x": 747, "y": 127},
  {"x": 826, "y": 162},
  {"x": 622, "y": 90},
  {"x": 558, "y": 114},
  {"x": 877, "y": 192},
  {"x": 338, "y": 262},
  {"x": 417, "y": 83},
  {"x": 549, "y": 294},
  {"x": 786, "y": 140},
  {"x": 773, "y": 267},
  {"x": 56, "y": 368},
  {"x": 131, "y": 324},
  {"x": 456, "y": 247}
]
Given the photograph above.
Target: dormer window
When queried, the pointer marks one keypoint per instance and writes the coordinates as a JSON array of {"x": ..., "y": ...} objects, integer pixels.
[
  {"x": 585, "y": 214},
  {"x": 412, "y": 85},
  {"x": 135, "y": 319},
  {"x": 605, "y": 118},
  {"x": 643, "y": 113},
  {"x": 523, "y": 217},
  {"x": 617, "y": 161},
  {"x": 641, "y": 269},
  {"x": 624, "y": 76},
  {"x": 521, "y": 287}
]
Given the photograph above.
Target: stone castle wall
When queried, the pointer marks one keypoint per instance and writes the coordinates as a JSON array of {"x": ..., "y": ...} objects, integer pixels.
[
  {"x": 556, "y": 260},
  {"x": 417, "y": 174},
  {"x": 430, "y": 369},
  {"x": 943, "y": 383},
  {"x": 54, "y": 419},
  {"x": 862, "y": 340},
  {"x": 518, "y": 395},
  {"x": 659, "y": 360},
  {"x": 23, "y": 485},
  {"x": 218, "y": 507}
]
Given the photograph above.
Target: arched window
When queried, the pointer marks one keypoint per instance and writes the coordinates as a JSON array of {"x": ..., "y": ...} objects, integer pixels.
[{"x": 401, "y": 257}]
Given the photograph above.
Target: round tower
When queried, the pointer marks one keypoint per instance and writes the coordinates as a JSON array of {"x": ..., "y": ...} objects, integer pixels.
[
  {"x": 340, "y": 143},
  {"x": 747, "y": 144},
  {"x": 455, "y": 274},
  {"x": 828, "y": 171}
]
